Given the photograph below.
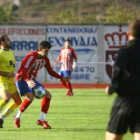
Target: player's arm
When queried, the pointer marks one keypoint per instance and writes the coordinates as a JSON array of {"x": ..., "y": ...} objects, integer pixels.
[
  {"x": 27, "y": 63},
  {"x": 58, "y": 59},
  {"x": 7, "y": 74},
  {"x": 53, "y": 73},
  {"x": 118, "y": 72},
  {"x": 74, "y": 59}
]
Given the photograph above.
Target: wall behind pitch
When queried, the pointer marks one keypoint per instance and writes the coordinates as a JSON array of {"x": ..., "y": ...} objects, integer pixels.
[
  {"x": 94, "y": 45},
  {"x": 114, "y": 37},
  {"x": 85, "y": 42},
  {"x": 25, "y": 38}
]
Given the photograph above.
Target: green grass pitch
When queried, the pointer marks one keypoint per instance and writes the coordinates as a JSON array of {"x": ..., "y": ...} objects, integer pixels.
[{"x": 81, "y": 117}]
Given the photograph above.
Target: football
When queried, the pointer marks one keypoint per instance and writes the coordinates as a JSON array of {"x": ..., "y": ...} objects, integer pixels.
[{"x": 39, "y": 92}]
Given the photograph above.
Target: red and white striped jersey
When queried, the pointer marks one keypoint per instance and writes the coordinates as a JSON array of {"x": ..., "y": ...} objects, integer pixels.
[
  {"x": 31, "y": 64},
  {"x": 66, "y": 56}
]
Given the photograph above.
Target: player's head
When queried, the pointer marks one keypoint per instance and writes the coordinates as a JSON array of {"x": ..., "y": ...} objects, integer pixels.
[
  {"x": 44, "y": 48},
  {"x": 5, "y": 42},
  {"x": 134, "y": 29},
  {"x": 67, "y": 43}
]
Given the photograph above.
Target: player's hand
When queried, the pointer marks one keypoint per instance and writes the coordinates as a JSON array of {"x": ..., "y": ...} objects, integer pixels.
[
  {"x": 31, "y": 83},
  {"x": 66, "y": 78},
  {"x": 74, "y": 65},
  {"x": 106, "y": 90},
  {"x": 55, "y": 63}
]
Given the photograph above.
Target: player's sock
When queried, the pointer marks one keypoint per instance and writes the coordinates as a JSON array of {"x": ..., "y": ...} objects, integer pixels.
[
  {"x": 18, "y": 114},
  {"x": 2, "y": 104},
  {"x": 44, "y": 108},
  {"x": 23, "y": 107},
  {"x": 64, "y": 83},
  {"x": 69, "y": 86},
  {"x": 25, "y": 104},
  {"x": 42, "y": 116},
  {"x": 45, "y": 105},
  {"x": 8, "y": 110}
]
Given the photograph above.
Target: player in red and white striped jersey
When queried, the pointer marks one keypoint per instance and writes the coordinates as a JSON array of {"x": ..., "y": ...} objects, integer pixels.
[
  {"x": 26, "y": 81},
  {"x": 68, "y": 60}
]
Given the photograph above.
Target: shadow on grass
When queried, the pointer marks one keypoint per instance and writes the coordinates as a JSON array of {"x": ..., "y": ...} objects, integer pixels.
[{"x": 53, "y": 129}]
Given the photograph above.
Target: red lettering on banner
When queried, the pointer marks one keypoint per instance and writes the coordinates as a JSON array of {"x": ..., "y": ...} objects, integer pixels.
[{"x": 23, "y": 31}]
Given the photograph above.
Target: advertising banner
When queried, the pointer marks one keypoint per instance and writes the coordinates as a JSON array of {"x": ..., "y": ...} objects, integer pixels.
[
  {"x": 114, "y": 37},
  {"x": 84, "y": 41},
  {"x": 25, "y": 38}
]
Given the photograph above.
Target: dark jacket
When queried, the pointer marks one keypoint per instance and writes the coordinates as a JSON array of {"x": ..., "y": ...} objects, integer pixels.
[{"x": 126, "y": 70}]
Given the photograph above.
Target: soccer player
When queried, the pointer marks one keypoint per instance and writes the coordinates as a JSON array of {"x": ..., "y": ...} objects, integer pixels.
[
  {"x": 26, "y": 81},
  {"x": 126, "y": 83},
  {"x": 7, "y": 85},
  {"x": 68, "y": 60}
]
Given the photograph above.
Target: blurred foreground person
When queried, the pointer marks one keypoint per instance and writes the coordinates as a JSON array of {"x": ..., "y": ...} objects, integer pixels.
[{"x": 126, "y": 83}]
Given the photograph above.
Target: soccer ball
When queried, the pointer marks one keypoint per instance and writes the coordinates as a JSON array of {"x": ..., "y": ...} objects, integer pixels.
[{"x": 39, "y": 92}]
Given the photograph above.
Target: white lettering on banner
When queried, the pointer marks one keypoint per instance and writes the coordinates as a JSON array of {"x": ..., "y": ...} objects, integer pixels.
[
  {"x": 85, "y": 73},
  {"x": 25, "y": 45},
  {"x": 23, "y": 31},
  {"x": 75, "y": 41},
  {"x": 72, "y": 30},
  {"x": 80, "y": 76}
]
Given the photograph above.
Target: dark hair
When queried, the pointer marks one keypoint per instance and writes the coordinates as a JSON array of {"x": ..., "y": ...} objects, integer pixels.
[
  {"x": 68, "y": 40},
  {"x": 134, "y": 28},
  {"x": 2, "y": 38},
  {"x": 44, "y": 44}
]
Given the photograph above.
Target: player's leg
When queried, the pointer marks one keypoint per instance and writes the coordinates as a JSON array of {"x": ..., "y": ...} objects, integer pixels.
[
  {"x": 12, "y": 105},
  {"x": 5, "y": 99},
  {"x": 111, "y": 136},
  {"x": 4, "y": 93},
  {"x": 69, "y": 85},
  {"x": 118, "y": 123},
  {"x": 134, "y": 119},
  {"x": 63, "y": 82},
  {"x": 24, "y": 90},
  {"x": 27, "y": 101},
  {"x": 45, "y": 104},
  {"x": 136, "y": 136},
  {"x": 70, "y": 91}
]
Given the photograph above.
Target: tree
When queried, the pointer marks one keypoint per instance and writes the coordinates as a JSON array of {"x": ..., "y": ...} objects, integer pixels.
[
  {"x": 69, "y": 16},
  {"x": 119, "y": 14},
  {"x": 6, "y": 14}
]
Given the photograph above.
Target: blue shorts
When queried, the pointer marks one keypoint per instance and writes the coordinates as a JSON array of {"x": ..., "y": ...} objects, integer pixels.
[
  {"x": 65, "y": 73},
  {"x": 23, "y": 87}
]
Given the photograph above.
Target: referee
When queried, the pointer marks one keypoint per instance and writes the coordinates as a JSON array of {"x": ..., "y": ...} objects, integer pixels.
[{"x": 125, "y": 114}]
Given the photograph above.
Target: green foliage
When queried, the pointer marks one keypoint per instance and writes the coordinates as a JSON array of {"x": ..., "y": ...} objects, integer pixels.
[
  {"x": 64, "y": 16},
  {"x": 56, "y": 11},
  {"x": 6, "y": 14},
  {"x": 69, "y": 16},
  {"x": 117, "y": 13}
]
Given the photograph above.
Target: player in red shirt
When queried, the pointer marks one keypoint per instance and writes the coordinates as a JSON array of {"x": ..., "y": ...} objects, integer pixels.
[
  {"x": 68, "y": 60},
  {"x": 26, "y": 81}
]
